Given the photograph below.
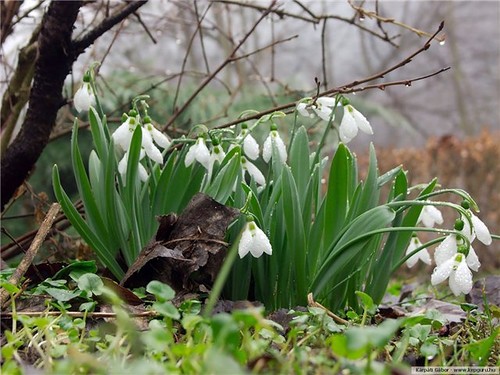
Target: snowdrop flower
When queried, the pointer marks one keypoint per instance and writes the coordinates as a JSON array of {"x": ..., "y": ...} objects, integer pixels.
[
  {"x": 274, "y": 138},
  {"x": 122, "y": 167},
  {"x": 253, "y": 171},
  {"x": 302, "y": 109},
  {"x": 199, "y": 152},
  {"x": 151, "y": 150},
  {"x": 430, "y": 216},
  {"x": 217, "y": 155},
  {"x": 448, "y": 249},
  {"x": 323, "y": 107},
  {"x": 479, "y": 229},
  {"x": 458, "y": 272},
  {"x": 158, "y": 137},
  {"x": 84, "y": 97},
  {"x": 250, "y": 145},
  {"x": 351, "y": 122},
  {"x": 423, "y": 254},
  {"x": 253, "y": 240},
  {"x": 123, "y": 135}
]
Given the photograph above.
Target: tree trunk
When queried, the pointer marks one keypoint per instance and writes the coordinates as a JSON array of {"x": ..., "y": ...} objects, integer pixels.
[{"x": 55, "y": 58}]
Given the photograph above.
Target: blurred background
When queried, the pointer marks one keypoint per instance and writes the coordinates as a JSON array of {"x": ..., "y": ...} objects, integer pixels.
[{"x": 446, "y": 126}]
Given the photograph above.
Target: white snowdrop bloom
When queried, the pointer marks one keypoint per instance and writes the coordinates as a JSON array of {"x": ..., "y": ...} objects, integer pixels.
[
  {"x": 253, "y": 171},
  {"x": 158, "y": 137},
  {"x": 479, "y": 229},
  {"x": 254, "y": 241},
  {"x": 430, "y": 216},
  {"x": 122, "y": 167},
  {"x": 324, "y": 107},
  {"x": 302, "y": 109},
  {"x": 123, "y": 135},
  {"x": 423, "y": 254},
  {"x": 250, "y": 145},
  {"x": 449, "y": 248},
  {"x": 84, "y": 97},
  {"x": 274, "y": 138},
  {"x": 351, "y": 122},
  {"x": 457, "y": 271},
  {"x": 151, "y": 150},
  {"x": 199, "y": 152}
]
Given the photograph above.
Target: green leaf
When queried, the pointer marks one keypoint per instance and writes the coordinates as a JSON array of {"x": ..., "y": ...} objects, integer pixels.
[
  {"x": 63, "y": 295},
  {"x": 166, "y": 309},
  {"x": 90, "y": 283},
  {"x": 295, "y": 233},
  {"x": 82, "y": 228},
  {"x": 161, "y": 291},
  {"x": 76, "y": 269},
  {"x": 367, "y": 302}
]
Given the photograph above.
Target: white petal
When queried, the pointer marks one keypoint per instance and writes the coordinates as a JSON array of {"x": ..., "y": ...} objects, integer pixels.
[
  {"x": 123, "y": 135},
  {"x": 411, "y": 261},
  {"x": 348, "y": 129},
  {"x": 481, "y": 230},
  {"x": 267, "y": 150},
  {"x": 159, "y": 138},
  {"x": 446, "y": 250},
  {"x": 122, "y": 165},
  {"x": 326, "y": 101},
  {"x": 143, "y": 174},
  {"x": 362, "y": 122},
  {"x": 202, "y": 155},
  {"x": 245, "y": 242},
  {"x": 442, "y": 272},
  {"x": 323, "y": 112},
  {"x": 280, "y": 145},
  {"x": 251, "y": 147},
  {"x": 424, "y": 256},
  {"x": 461, "y": 279},
  {"x": 260, "y": 242},
  {"x": 473, "y": 260},
  {"x": 189, "y": 159},
  {"x": 151, "y": 150},
  {"x": 84, "y": 98},
  {"x": 254, "y": 172},
  {"x": 301, "y": 108},
  {"x": 430, "y": 216}
]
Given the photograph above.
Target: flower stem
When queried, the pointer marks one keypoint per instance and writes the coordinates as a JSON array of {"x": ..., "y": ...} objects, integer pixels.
[{"x": 222, "y": 277}]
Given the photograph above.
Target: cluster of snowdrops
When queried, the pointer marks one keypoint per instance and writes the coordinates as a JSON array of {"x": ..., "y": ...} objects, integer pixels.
[{"x": 454, "y": 256}]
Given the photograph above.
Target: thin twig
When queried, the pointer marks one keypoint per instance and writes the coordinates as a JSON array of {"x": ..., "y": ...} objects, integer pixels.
[
  {"x": 379, "y": 18},
  {"x": 78, "y": 314},
  {"x": 323, "y": 53},
  {"x": 347, "y": 89},
  {"x": 184, "y": 61},
  {"x": 32, "y": 251},
  {"x": 145, "y": 27},
  {"x": 219, "y": 68},
  {"x": 200, "y": 33},
  {"x": 311, "y": 302}
]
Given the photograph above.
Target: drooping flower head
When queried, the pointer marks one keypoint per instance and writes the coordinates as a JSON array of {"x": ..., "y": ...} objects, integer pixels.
[
  {"x": 250, "y": 145},
  {"x": 199, "y": 152},
  {"x": 422, "y": 255},
  {"x": 322, "y": 107},
  {"x": 84, "y": 97},
  {"x": 430, "y": 216},
  {"x": 478, "y": 229},
  {"x": 253, "y": 171},
  {"x": 457, "y": 271},
  {"x": 274, "y": 139},
  {"x": 123, "y": 135},
  {"x": 351, "y": 122},
  {"x": 253, "y": 240}
]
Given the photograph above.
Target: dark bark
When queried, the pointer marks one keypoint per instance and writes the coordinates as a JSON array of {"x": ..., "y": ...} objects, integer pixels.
[
  {"x": 56, "y": 54},
  {"x": 55, "y": 58}
]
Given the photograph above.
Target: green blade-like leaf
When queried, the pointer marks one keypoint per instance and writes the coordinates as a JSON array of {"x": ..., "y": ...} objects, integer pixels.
[{"x": 83, "y": 229}]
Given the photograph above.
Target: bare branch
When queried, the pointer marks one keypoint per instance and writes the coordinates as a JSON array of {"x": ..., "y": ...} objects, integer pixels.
[{"x": 219, "y": 68}]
